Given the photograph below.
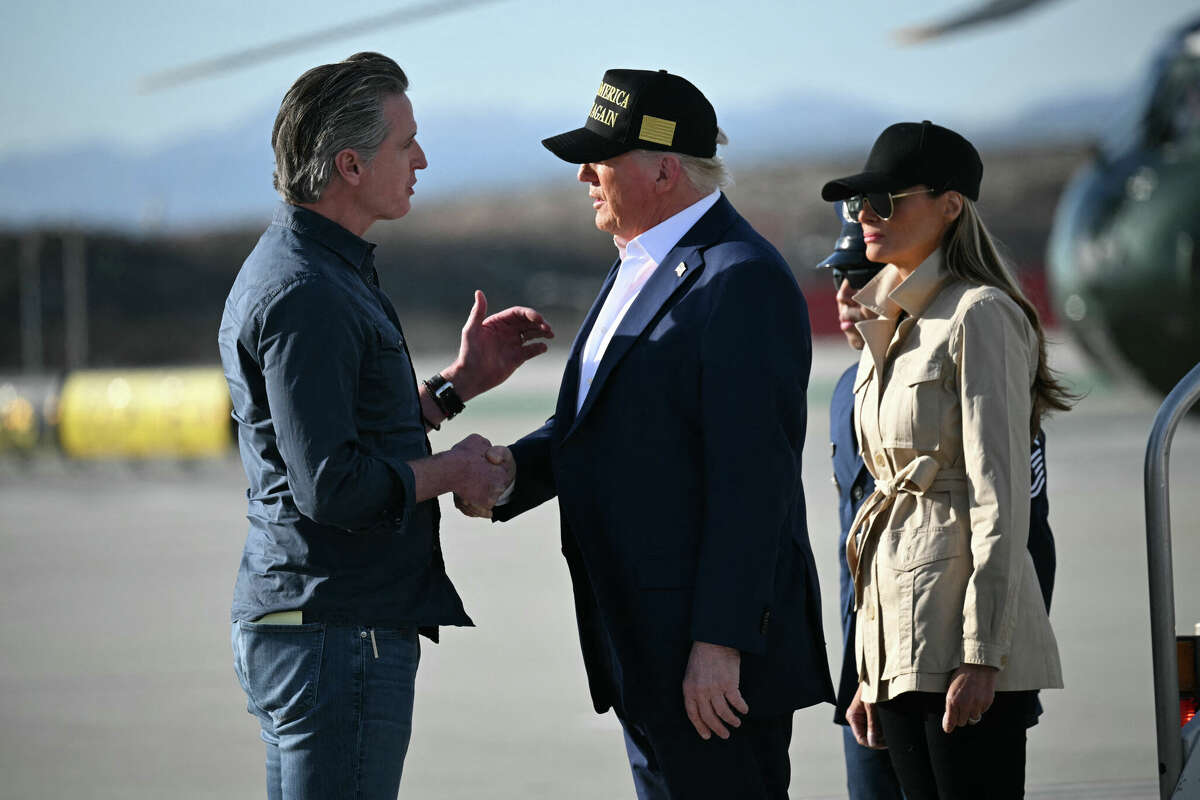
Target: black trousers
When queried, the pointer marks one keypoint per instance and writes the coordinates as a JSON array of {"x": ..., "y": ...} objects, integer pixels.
[
  {"x": 985, "y": 761},
  {"x": 670, "y": 761}
]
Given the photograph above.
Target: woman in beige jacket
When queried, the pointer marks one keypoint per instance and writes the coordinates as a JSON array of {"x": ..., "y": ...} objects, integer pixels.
[{"x": 952, "y": 635}]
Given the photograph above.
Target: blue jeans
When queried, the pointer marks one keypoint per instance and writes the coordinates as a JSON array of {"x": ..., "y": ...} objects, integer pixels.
[
  {"x": 334, "y": 703},
  {"x": 869, "y": 773}
]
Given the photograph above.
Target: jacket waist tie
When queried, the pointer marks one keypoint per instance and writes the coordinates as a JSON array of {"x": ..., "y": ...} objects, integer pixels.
[{"x": 922, "y": 474}]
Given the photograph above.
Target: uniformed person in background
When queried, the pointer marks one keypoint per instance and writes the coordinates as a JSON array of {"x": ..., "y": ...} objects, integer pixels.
[{"x": 869, "y": 774}]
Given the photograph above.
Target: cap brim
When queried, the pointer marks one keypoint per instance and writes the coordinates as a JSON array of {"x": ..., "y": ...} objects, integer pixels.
[
  {"x": 582, "y": 146},
  {"x": 846, "y": 258},
  {"x": 862, "y": 183}
]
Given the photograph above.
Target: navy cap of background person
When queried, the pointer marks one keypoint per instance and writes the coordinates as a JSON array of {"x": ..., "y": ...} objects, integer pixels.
[
  {"x": 910, "y": 154},
  {"x": 639, "y": 109},
  {"x": 850, "y": 250}
]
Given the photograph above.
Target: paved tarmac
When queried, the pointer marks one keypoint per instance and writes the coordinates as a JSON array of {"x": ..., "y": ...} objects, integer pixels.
[{"x": 116, "y": 678}]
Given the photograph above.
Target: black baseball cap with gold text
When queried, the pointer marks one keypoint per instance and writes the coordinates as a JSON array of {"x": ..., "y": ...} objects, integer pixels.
[{"x": 638, "y": 109}]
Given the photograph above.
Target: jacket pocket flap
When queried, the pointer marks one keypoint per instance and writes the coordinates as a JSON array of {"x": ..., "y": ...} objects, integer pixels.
[
  {"x": 920, "y": 373},
  {"x": 912, "y": 549},
  {"x": 666, "y": 573},
  {"x": 389, "y": 338}
]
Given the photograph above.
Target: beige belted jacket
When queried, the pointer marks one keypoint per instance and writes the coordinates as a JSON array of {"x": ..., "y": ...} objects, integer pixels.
[{"x": 942, "y": 575}]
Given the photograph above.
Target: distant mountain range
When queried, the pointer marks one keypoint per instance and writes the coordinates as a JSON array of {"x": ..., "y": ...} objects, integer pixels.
[{"x": 224, "y": 177}]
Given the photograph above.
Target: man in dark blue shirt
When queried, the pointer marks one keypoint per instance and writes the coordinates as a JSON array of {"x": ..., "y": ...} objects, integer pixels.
[
  {"x": 342, "y": 565},
  {"x": 869, "y": 774}
]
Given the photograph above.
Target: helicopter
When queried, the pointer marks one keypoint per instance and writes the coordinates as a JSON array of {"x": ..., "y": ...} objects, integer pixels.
[{"x": 1124, "y": 250}]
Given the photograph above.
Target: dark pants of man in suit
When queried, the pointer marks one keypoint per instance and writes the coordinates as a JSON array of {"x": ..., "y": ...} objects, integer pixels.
[{"x": 671, "y": 762}]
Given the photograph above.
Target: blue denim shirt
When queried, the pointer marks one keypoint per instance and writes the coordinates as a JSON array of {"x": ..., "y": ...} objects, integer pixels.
[{"x": 328, "y": 414}]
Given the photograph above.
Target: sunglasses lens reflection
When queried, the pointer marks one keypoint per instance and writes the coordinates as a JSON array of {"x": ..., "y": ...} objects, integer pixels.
[
  {"x": 858, "y": 278},
  {"x": 881, "y": 204}
]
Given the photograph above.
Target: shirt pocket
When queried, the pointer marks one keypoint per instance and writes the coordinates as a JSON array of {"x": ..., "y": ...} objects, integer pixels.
[
  {"x": 387, "y": 395},
  {"x": 913, "y": 407}
]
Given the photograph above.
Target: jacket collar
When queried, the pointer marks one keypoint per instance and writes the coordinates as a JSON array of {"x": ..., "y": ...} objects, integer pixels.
[
  {"x": 354, "y": 250},
  {"x": 677, "y": 270},
  {"x": 888, "y": 295}
]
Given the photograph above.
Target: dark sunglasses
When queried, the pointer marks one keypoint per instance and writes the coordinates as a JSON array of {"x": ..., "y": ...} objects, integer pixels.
[
  {"x": 882, "y": 203},
  {"x": 857, "y": 276}
]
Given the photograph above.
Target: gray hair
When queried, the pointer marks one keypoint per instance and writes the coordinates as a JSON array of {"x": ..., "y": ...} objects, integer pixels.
[
  {"x": 706, "y": 175},
  {"x": 331, "y": 108}
]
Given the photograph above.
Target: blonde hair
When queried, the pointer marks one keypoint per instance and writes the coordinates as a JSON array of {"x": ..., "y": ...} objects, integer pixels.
[{"x": 970, "y": 254}]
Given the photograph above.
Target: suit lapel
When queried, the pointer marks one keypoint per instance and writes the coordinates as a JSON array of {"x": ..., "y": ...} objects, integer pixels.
[
  {"x": 666, "y": 282},
  {"x": 564, "y": 413}
]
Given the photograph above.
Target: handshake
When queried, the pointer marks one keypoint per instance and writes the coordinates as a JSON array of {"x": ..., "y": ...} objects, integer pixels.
[{"x": 485, "y": 472}]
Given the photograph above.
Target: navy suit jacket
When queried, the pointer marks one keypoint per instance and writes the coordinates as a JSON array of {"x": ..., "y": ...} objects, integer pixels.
[
  {"x": 678, "y": 481},
  {"x": 854, "y": 484}
]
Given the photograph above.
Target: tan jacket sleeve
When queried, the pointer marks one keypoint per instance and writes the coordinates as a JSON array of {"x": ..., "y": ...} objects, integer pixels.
[{"x": 995, "y": 354}]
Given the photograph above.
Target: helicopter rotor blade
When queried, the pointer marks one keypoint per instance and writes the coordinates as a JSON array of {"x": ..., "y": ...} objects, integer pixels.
[
  {"x": 254, "y": 55},
  {"x": 988, "y": 12}
]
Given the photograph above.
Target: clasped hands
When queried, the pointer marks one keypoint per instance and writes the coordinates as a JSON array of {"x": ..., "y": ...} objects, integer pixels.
[{"x": 485, "y": 472}]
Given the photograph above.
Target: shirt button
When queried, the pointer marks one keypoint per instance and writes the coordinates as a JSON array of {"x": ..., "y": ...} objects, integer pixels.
[
  {"x": 362, "y": 634},
  {"x": 857, "y": 493}
]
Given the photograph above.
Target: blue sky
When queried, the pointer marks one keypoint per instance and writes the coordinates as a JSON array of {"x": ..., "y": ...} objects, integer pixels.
[{"x": 72, "y": 67}]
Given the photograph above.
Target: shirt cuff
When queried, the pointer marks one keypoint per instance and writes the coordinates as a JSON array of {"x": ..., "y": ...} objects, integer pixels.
[
  {"x": 404, "y": 492},
  {"x": 508, "y": 493}
]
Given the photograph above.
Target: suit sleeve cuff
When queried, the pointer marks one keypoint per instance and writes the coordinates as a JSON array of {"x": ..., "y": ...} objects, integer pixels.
[{"x": 750, "y": 637}]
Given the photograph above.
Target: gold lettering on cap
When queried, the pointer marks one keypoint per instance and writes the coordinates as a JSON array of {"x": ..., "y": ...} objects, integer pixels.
[
  {"x": 618, "y": 97},
  {"x": 604, "y": 115},
  {"x": 659, "y": 131}
]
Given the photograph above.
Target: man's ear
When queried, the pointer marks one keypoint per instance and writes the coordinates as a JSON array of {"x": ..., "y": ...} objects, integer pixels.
[
  {"x": 670, "y": 172},
  {"x": 349, "y": 166}
]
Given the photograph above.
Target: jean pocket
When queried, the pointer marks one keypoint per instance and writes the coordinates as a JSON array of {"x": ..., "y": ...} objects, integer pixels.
[{"x": 280, "y": 667}]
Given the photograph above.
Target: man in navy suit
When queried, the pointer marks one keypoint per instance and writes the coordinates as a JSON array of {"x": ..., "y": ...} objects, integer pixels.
[
  {"x": 675, "y": 451},
  {"x": 869, "y": 774}
]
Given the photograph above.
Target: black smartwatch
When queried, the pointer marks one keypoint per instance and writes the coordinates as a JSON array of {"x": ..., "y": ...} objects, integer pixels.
[{"x": 444, "y": 396}]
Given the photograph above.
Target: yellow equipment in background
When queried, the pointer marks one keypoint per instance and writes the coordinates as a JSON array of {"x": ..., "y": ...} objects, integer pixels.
[{"x": 146, "y": 413}]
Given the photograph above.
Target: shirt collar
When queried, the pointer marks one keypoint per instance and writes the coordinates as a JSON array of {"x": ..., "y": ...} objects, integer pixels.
[
  {"x": 658, "y": 241},
  {"x": 887, "y": 295},
  {"x": 354, "y": 250}
]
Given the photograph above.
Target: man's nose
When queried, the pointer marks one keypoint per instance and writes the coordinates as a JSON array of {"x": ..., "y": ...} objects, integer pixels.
[
  {"x": 586, "y": 174},
  {"x": 845, "y": 291}
]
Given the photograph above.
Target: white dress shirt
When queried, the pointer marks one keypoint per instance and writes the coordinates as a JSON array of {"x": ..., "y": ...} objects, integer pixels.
[{"x": 639, "y": 258}]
